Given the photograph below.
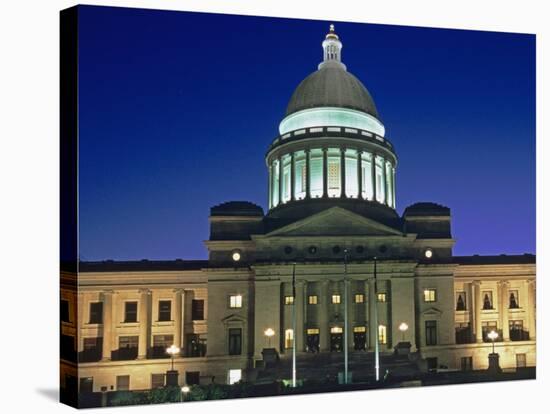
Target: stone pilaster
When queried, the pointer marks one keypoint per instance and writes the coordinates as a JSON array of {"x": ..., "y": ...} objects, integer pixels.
[
  {"x": 476, "y": 307},
  {"x": 178, "y": 320},
  {"x": 107, "y": 325},
  {"x": 503, "y": 309},
  {"x": 531, "y": 309},
  {"x": 144, "y": 323},
  {"x": 324, "y": 335}
]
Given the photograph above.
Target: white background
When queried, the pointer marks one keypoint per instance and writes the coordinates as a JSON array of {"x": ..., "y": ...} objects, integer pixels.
[{"x": 29, "y": 176}]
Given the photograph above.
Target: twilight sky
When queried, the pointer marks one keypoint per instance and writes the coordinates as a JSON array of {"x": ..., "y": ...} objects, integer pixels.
[{"x": 177, "y": 111}]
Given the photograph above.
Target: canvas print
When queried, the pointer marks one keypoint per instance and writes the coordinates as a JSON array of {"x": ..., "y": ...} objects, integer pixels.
[{"x": 255, "y": 206}]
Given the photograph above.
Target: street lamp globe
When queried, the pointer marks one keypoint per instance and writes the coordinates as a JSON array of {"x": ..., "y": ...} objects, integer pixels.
[
  {"x": 172, "y": 350},
  {"x": 269, "y": 333},
  {"x": 403, "y": 328},
  {"x": 185, "y": 389}
]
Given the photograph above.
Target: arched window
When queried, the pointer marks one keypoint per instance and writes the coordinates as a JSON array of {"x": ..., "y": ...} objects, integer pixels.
[
  {"x": 487, "y": 300},
  {"x": 513, "y": 299},
  {"x": 461, "y": 301}
]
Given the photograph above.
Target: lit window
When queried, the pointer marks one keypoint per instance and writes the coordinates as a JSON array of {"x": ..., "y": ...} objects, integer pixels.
[
  {"x": 289, "y": 300},
  {"x": 359, "y": 298},
  {"x": 380, "y": 187},
  {"x": 352, "y": 187},
  {"x": 289, "y": 337},
  {"x": 333, "y": 170},
  {"x": 316, "y": 173},
  {"x": 461, "y": 301},
  {"x": 312, "y": 299},
  {"x": 234, "y": 376},
  {"x": 313, "y": 331},
  {"x": 335, "y": 299},
  {"x": 359, "y": 329},
  {"x": 382, "y": 338},
  {"x": 275, "y": 185},
  {"x": 487, "y": 300},
  {"x": 381, "y": 297},
  {"x": 429, "y": 295},
  {"x": 336, "y": 330},
  {"x": 366, "y": 174},
  {"x": 235, "y": 301},
  {"x": 514, "y": 302}
]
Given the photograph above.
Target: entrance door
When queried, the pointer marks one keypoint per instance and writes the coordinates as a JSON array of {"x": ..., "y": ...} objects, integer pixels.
[
  {"x": 359, "y": 341},
  {"x": 336, "y": 339},
  {"x": 312, "y": 340}
]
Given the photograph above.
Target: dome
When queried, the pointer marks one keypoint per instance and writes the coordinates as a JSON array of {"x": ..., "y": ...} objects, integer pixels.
[{"x": 331, "y": 86}]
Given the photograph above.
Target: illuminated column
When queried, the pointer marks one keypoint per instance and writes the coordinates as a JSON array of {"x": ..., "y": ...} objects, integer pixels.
[
  {"x": 393, "y": 186},
  {"x": 298, "y": 335},
  {"x": 384, "y": 182},
  {"x": 503, "y": 299},
  {"x": 107, "y": 325},
  {"x": 292, "y": 176},
  {"x": 359, "y": 175},
  {"x": 308, "y": 175},
  {"x": 477, "y": 310},
  {"x": 144, "y": 304},
  {"x": 343, "y": 172},
  {"x": 178, "y": 310},
  {"x": 323, "y": 317},
  {"x": 531, "y": 309},
  {"x": 304, "y": 311},
  {"x": 280, "y": 166},
  {"x": 373, "y": 329},
  {"x": 270, "y": 186},
  {"x": 325, "y": 173},
  {"x": 80, "y": 321},
  {"x": 373, "y": 176}
]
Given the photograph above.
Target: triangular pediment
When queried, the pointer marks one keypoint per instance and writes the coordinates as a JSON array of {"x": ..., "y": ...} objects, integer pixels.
[
  {"x": 335, "y": 221},
  {"x": 432, "y": 312}
]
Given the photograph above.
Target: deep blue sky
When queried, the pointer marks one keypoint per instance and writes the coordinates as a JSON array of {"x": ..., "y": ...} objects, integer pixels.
[{"x": 177, "y": 110}]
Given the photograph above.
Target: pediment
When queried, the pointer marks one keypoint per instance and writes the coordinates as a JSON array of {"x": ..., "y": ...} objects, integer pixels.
[
  {"x": 335, "y": 221},
  {"x": 233, "y": 318},
  {"x": 432, "y": 312}
]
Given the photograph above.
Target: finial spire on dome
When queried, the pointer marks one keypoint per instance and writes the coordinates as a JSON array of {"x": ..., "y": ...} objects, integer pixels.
[{"x": 332, "y": 48}]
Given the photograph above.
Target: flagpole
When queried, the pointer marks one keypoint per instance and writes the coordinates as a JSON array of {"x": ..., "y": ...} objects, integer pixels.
[
  {"x": 375, "y": 327},
  {"x": 294, "y": 325},
  {"x": 345, "y": 316}
]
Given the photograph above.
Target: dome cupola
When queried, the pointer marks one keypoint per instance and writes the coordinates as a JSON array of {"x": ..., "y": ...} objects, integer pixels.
[{"x": 331, "y": 144}]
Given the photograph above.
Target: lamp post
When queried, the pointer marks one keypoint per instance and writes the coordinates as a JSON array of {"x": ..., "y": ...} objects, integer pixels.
[
  {"x": 269, "y": 334},
  {"x": 403, "y": 328},
  {"x": 493, "y": 335},
  {"x": 173, "y": 350},
  {"x": 184, "y": 390}
]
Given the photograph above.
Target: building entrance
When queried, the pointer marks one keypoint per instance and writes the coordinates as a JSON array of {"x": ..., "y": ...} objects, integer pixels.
[{"x": 336, "y": 339}]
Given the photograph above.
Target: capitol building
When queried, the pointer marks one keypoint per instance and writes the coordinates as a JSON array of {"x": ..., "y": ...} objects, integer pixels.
[{"x": 331, "y": 268}]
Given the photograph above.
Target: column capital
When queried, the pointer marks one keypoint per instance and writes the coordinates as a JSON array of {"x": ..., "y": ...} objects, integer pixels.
[
  {"x": 503, "y": 283},
  {"x": 531, "y": 282},
  {"x": 145, "y": 290},
  {"x": 476, "y": 282},
  {"x": 109, "y": 292}
]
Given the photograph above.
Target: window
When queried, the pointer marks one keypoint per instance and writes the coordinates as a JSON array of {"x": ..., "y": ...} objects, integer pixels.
[
  {"x": 359, "y": 298},
  {"x": 336, "y": 299},
  {"x": 275, "y": 186},
  {"x": 289, "y": 300},
  {"x": 466, "y": 363},
  {"x": 381, "y": 297},
  {"x": 487, "y": 327},
  {"x": 123, "y": 383},
  {"x": 380, "y": 187},
  {"x": 366, "y": 174},
  {"x": 87, "y": 384},
  {"x": 91, "y": 350},
  {"x": 352, "y": 187},
  {"x": 333, "y": 171},
  {"x": 235, "y": 341},
  {"x": 286, "y": 178},
  {"x": 461, "y": 301},
  {"x": 429, "y": 295},
  {"x": 289, "y": 338},
  {"x": 487, "y": 300},
  {"x": 196, "y": 345},
  {"x": 127, "y": 348},
  {"x": 516, "y": 331},
  {"x": 299, "y": 175},
  {"x": 192, "y": 377},
  {"x": 165, "y": 313},
  {"x": 521, "y": 360},
  {"x": 513, "y": 303},
  {"x": 382, "y": 338},
  {"x": 235, "y": 301},
  {"x": 64, "y": 312},
  {"x": 96, "y": 312},
  {"x": 312, "y": 299},
  {"x": 130, "y": 312},
  {"x": 197, "y": 309},
  {"x": 431, "y": 332},
  {"x": 234, "y": 375},
  {"x": 158, "y": 380},
  {"x": 463, "y": 333},
  {"x": 160, "y": 344}
]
